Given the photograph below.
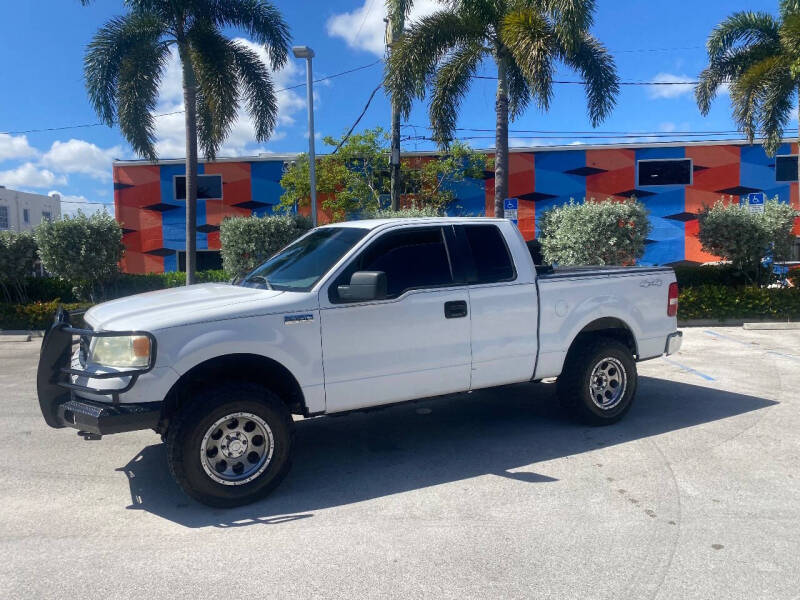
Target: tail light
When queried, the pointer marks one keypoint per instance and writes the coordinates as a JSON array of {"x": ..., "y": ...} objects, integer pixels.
[{"x": 672, "y": 300}]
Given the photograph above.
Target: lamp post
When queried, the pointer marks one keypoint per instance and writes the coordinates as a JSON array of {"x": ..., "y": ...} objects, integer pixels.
[{"x": 308, "y": 54}]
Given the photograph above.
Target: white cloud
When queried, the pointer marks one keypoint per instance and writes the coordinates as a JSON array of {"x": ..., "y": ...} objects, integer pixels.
[
  {"x": 675, "y": 89},
  {"x": 79, "y": 156},
  {"x": 364, "y": 28},
  {"x": 15, "y": 147},
  {"x": 29, "y": 175},
  {"x": 170, "y": 131}
]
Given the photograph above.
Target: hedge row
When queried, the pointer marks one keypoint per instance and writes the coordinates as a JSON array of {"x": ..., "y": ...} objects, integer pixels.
[
  {"x": 37, "y": 315},
  {"x": 700, "y": 302},
  {"x": 46, "y": 289},
  {"x": 723, "y": 302},
  {"x": 727, "y": 275}
]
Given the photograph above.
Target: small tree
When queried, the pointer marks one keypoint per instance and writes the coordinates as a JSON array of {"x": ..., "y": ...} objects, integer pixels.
[
  {"x": 17, "y": 260},
  {"x": 355, "y": 178},
  {"x": 732, "y": 232},
  {"x": 594, "y": 233},
  {"x": 248, "y": 241},
  {"x": 85, "y": 250}
]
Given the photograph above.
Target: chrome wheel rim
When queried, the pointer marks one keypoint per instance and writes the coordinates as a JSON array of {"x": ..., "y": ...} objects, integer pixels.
[
  {"x": 607, "y": 383},
  {"x": 237, "y": 448}
]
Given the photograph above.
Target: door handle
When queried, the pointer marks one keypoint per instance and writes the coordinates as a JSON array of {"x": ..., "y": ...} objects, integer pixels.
[{"x": 455, "y": 309}]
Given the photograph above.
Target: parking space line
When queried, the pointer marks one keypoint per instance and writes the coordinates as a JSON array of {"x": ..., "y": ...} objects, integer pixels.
[
  {"x": 789, "y": 356},
  {"x": 689, "y": 369},
  {"x": 727, "y": 337}
]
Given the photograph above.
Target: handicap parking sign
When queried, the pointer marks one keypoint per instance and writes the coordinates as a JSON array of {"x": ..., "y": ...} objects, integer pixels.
[
  {"x": 510, "y": 209},
  {"x": 755, "y": 202}
]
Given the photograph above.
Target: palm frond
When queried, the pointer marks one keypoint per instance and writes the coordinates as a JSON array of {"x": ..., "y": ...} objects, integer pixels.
[
  {"x": 415, "y": 56},
  {"x": 599, "y": 73},
  {"x": 788, "y": 8},
  {"x": 519, "y": 93},
  {"x": 790, "y": 39},
  {"x": 139, "y": 75},
  {"x": 728, "y": 67},
  {"x": 532, "y": 43},
  {"x": 259, "y": 93},
  {"x": 743, "y": 28},
  {"x": 117, "y": 39},
  {"x": 777, "y": 104},
  {"x": 747, "y": 94},
  {"x": 449, "y": 88},
  {"x": 571, "y": 19},
  {"x": 399, "y": 7},
  {"x": 260, "y": 19},
  {"x": 217, "y": 99}
]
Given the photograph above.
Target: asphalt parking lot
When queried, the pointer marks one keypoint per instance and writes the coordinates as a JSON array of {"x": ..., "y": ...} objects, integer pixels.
[{"x": 696, "y": 494}]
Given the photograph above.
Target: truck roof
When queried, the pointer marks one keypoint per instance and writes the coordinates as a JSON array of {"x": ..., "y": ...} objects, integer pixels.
[{"x": 375, "y": 223}]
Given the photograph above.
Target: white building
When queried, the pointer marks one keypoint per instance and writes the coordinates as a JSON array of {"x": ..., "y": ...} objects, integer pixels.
[{"x": 20, "y": 210}]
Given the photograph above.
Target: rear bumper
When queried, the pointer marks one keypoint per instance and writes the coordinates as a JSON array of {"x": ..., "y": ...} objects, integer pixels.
[
  {"x": 674, "y": 342},
  {"x": 62, "y": 408}
]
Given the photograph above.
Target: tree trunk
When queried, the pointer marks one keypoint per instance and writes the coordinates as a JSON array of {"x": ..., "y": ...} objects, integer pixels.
[
  {"x": 395, "y": 30},
  {"x": 501, "y": 138},
  {"x": 190, "y": 102}
]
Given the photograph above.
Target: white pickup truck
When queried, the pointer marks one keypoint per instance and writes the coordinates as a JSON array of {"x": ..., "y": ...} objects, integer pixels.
[{"x": 348, "y": 317}]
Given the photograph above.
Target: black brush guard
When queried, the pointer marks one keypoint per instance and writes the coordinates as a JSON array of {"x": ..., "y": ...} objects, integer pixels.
[{"x": 61, "y": 407}]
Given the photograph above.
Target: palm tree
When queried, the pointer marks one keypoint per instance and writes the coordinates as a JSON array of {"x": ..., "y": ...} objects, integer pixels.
[
  {"x": 758, "y": 57},
  {"x": 524, "y": 38},
  {"x": 126, "y": 59}
]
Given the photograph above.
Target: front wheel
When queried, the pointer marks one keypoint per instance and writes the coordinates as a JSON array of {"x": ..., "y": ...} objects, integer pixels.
[
  {"x": 231, "y": 445},
  {"x": 598, "y": 382}
]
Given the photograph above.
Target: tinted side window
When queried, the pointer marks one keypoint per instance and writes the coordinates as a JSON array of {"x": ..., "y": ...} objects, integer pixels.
[
  {"x": 411, "y": 258},
  {"x": 489, "y": 253}
]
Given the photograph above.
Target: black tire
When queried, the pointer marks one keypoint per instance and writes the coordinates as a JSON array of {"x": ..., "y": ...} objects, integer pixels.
[
  {"x": 574, "y": 388},
  {"x": 189, "y": 428}
]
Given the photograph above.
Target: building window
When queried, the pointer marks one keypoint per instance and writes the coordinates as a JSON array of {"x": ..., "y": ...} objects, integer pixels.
[
  {"x": 786, "y": 168},
  {"x": 665, "y": 171},
  {"x": 209, "y": 187},
  {"x": 26, "y": 215},
  {"x": 47, "y": 216},
  {"x": 3, "y": 217}
]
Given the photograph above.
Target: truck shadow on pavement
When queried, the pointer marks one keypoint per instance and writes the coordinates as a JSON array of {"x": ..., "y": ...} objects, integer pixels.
[{"x": 362, "y": 456}]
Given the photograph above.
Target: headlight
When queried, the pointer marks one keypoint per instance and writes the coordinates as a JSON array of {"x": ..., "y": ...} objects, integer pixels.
[{"x": 130, "y": 351}]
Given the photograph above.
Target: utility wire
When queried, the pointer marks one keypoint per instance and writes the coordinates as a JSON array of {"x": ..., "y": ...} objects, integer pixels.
[
  {"x": 592, "y": 132},
  {"x": 363, "y": 112},
  {"x": 177, "y": 112}
]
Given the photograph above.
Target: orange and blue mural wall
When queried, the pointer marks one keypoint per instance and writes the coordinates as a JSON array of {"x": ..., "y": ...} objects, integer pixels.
[{"x": 153, "y": 220}]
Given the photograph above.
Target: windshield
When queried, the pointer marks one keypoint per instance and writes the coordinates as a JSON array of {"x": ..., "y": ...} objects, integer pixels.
[{"x": 299, "y": 266}]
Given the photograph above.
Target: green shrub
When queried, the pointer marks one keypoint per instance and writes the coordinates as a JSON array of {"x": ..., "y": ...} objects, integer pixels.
[
  {"x": 594, "y": 233},
  {"x": 692, "y": 276},
  {"x": 724, "y": 302},
  {"x": 406, "y": 213},
  {"x": 127, "y": 284},
  {"x": 733, "y": 232},
  {"x": 17, "y": 259},
  {"x": 249, "y": 241},
  {"x": 37, "y": 315},
  {"x": 85, "y": 250}
]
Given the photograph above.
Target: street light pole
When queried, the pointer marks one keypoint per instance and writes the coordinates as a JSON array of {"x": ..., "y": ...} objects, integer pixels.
[{"x": 308, "y": 54}]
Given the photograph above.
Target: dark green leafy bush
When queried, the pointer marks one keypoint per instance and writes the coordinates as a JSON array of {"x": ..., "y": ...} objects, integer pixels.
[
  {"x": 249, "y": 241},
  {"x": 691, "y": 276},
  {"x": 725, "y": 302},
  {"x": 37, "y": 315}
]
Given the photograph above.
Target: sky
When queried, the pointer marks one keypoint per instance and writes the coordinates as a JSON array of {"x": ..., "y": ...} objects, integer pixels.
[{"x": 43, "y": 96}]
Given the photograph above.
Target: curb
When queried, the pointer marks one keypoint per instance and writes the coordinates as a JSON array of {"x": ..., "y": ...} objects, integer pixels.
[{"x": 765, "y": 326}]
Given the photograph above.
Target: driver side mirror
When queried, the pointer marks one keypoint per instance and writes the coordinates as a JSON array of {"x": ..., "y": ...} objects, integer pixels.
[{"x": 364, "y": 286}]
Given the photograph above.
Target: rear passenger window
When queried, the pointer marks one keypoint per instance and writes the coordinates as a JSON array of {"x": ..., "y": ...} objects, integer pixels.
[
  {"x": 411, "y": 259},
  {"x": 490, "y": 254}
]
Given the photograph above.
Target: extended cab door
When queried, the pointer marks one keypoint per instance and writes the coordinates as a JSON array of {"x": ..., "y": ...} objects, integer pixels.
[
  {"x": 503, "y": 303},
  {"x": 413, "y": 344}
]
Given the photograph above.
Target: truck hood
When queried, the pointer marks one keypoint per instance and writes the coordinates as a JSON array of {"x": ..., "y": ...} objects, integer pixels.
[{"x": 178, "y": 306}]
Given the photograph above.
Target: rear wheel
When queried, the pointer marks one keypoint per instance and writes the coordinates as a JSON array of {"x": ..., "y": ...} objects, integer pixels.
[
  {"x": 598, "y": 383},
  {"x": 231, "y": 446}
]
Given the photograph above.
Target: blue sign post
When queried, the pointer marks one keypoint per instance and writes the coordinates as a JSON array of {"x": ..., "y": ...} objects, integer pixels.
[{"x": 510, "y": 209}]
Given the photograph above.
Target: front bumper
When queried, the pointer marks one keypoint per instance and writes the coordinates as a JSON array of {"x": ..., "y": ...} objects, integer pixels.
[
  {"x": 674, "y": 341},
  {"x": 59, "y": 404}
]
